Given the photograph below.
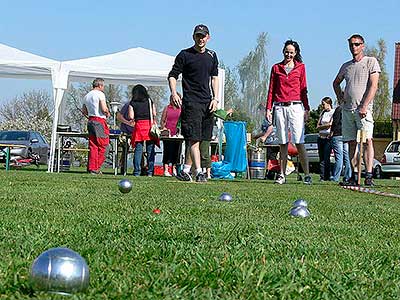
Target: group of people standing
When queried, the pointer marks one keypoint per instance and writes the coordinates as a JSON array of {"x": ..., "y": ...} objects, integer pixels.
[{"x": 287, "y": 108}]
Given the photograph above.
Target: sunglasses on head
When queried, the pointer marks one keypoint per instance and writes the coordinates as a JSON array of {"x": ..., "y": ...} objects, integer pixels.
[{"x": 355, "y": 44}]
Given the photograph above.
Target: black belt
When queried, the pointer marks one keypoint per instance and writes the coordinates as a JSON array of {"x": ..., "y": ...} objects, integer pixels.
[{"x": 287, "y": 103}]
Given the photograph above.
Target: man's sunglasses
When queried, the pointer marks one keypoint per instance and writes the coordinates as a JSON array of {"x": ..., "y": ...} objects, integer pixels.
[{"x": 355, "y": 44}]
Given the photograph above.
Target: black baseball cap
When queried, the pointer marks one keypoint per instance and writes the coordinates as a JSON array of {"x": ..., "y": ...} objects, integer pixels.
[{"x": 202, "y": 29}]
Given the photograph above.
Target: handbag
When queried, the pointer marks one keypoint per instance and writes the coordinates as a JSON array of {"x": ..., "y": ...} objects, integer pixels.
[{"x": 155, "y": 132}]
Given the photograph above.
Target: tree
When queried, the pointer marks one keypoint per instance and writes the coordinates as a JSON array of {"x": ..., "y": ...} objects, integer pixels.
[
  {"x": 382, "y": 101},
  {"x": 31, "y": 111},
  {"x": 231, "y": 93},
  {"x": 253, "y": 74}
]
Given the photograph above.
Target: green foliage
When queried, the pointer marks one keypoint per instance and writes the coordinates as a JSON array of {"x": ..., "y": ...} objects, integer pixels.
[
  {"x": 239, "y": 115},
  {"x": 382, "y": 101},
  {"x": 383, "y": 129},
  {"x": 311, "y": 125},
  {"x": 199, "y": 247}
]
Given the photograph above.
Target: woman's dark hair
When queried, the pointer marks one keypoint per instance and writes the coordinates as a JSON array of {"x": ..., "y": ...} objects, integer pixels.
[
  {"x": 327, "y": 100},
  {"x": 296, "y": 46},
  {"x": 139, "y": 93}
]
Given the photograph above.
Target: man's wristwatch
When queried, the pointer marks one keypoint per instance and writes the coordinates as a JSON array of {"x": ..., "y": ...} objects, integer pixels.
[{"x": 215, "y": 99}]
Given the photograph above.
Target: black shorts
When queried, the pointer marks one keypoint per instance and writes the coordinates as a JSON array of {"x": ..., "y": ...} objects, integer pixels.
[
  {"x": 196, "y": 121},
  {"x": 171, "y": 152}
]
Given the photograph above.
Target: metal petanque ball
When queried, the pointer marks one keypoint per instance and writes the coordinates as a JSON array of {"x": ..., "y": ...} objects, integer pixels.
[
  {"x": 125, "y": 186},
  {"x": 59, "y": 270},
  {"x": 300, "y": 202},
  {"x": 300, "y": 211},
  {"x": 225, "y": 197}
]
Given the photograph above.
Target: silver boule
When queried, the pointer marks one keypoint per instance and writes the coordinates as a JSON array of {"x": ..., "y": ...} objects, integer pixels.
[
  {"x": 300, "y": 211},
  {"x": 300, "y": 202},
  {"x": 59, "y": 270},
  {"x": 125, "y": 186},
  {"x": 225, "y": 197}
]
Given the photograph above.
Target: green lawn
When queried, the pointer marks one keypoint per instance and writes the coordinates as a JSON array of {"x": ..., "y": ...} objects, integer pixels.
[{"x": 199, "y": 247}]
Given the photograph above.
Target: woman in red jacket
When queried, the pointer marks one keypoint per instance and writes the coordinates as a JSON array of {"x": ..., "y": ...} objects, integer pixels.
[{"x": 287, "y": 96}]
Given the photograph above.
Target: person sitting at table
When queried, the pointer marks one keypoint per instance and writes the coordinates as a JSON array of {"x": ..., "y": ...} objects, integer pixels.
[
  {"x": 139, "y": 110},
  {"x": 126, "y": 126},
  {"x": 169, "y": 120}
]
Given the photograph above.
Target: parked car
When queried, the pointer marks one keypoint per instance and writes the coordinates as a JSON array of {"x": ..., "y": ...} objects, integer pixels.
[
  {"x": 376, "y": 169},
  {"x": 33, "y": 141},
  {"x": 391, "y": 159},
  {"x": 311, "y": 146}
]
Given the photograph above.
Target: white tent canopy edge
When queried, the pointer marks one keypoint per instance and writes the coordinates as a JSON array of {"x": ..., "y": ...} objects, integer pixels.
[{"x": 132, "y": 66}]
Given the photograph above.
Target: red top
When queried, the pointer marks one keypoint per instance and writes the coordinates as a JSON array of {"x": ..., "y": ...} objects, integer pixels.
[{"x": 288, "y": 87}]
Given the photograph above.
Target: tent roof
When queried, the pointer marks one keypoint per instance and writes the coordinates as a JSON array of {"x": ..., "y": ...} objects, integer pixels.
[
  {"x": 16, "y": 63},
  {"x": 136, "y": 65}
]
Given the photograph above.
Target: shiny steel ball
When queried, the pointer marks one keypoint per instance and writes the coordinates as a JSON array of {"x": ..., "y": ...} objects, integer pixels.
[
  {"x": 59, "y": 270},
  {"x": 300, "y": 211},
  {"x": 125, "y": 186},
  {"x": 300, "y": 202},
  {"x": 225, "y": 197}
]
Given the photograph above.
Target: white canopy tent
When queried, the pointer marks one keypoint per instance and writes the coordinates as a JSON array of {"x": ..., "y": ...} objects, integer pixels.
[{"x": 136, "y": 65}]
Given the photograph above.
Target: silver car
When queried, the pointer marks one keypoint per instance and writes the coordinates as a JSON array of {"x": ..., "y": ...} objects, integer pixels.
[
  {"x": 311, "y": 146},
  {"x": 391, "y": 159},
  {"x": 33, "y": 141}
]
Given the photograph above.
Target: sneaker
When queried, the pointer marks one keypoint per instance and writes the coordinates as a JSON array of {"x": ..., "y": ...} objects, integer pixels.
[
  {"x": 307, "y": 180},
  {"x": 183, "y": 176},
  {"x": 280, "y": 179},
  {"x": 201, "y": 177},
  {"x": 167, "y": 174},
  {"x": 348, "y": 182},
  {"x": 369, "y": 182}
]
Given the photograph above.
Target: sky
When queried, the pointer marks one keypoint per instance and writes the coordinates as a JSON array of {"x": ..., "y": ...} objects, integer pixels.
[{"x": 65, "y": 30}]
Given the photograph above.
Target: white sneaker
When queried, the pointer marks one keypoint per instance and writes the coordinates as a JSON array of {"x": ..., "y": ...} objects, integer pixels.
[
  {"x": 280, "y": 179},
  {"x": 166, "y": 173}
]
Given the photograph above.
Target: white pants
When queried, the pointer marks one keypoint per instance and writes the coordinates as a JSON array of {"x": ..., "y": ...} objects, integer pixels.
[{"x": 289, "y": 119}]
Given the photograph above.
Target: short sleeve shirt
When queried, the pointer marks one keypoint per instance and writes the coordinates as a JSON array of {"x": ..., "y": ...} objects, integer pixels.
[{"x": 356, "y": 75}]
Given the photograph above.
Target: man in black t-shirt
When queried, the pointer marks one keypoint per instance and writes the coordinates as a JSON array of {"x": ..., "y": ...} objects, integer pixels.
[{"x": 198, "y": 65}]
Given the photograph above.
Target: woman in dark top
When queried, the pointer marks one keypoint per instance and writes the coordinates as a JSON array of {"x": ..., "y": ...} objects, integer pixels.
[{"x": 139, "y": 110}]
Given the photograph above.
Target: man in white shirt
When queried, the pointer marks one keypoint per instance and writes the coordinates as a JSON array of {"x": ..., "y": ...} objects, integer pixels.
[{"x": 95, "y": 108}]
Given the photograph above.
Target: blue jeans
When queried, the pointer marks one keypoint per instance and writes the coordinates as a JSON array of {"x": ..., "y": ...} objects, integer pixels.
[
  {"x": 324, "y": 151},
  {"x": 337, "y": 147},
  {"x": 346, "y": 162},
  {"x": 137, "y": 158}
]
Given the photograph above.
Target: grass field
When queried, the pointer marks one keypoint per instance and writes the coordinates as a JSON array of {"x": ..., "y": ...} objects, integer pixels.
[{"x": 199, "y": 247}]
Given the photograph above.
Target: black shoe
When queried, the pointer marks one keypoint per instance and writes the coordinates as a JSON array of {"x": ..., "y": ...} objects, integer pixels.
[
  {"x": 348, "y": 182},
  {"x": 183, "y": 176},
  {"x": 307, "y": 180},
  {"x": 369, "y": 182},
  {"x": 201, "y": 178}
]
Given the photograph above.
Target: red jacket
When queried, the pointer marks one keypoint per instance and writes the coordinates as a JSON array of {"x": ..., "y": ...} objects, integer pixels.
[{"x": 288, "y": 87}]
